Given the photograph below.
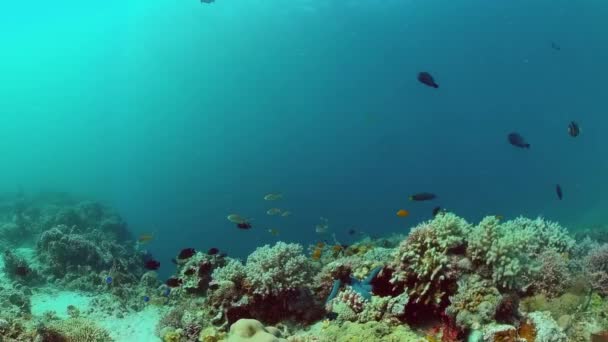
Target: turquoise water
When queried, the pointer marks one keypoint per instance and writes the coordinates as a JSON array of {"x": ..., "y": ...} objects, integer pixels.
[{"x": 179, "y": 113}]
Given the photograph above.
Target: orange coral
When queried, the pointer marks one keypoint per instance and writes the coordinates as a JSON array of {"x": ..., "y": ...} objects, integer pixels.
[{"x": 527, "y": 331}]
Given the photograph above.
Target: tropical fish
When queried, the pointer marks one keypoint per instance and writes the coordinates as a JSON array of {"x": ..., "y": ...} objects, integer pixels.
[
  {"x": 273, "y": 232},
  {"x": 402, "y": 213},
  {"x": 207, "y": 1},
  {"x": 558, "y": 191},
  {"x": 436, "y": 211},
  {"x": 173, "y": 282},
  {"x": 352, "y": 231},
  {"x": 273, "y": 211},
  {"x": 152, "y": 264},
  {"x": 146, "y": 299},
  {"x": 321, "y": 228},
  {"x": 145, "y": 238},
  {"x": 573, "y": 129},
  {"x": 517, "y": 140},
  {"x": 190, "y": 271},
  {"x": 286, "y": 214},
  {"x": 273, "y": 196},
  {"x": 426, "y": 78},
  {"x": 213, "y": 251},
  {"x": 235, "y": 218},
  {"x": 243, "y": 225},
  {"x": 109, "y": 280},
  {"x": 186, "y": 253},
  {"x": 554, "y": 46},
  {"x": 422, "y": 196},
  {"x": 320, "y": 244}
]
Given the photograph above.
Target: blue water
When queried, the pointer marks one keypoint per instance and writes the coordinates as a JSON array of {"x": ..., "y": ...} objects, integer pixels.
[{"x": 179, "y": 113}]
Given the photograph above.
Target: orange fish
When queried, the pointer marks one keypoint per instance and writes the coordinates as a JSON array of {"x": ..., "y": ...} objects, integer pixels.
[
  {"x": 145, "y": 238},
  {"x": 316, "y": 254},
  {"x": 402, "y": 213}
]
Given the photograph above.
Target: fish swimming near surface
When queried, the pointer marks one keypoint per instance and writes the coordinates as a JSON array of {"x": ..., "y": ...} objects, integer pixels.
[
  {"x": 517, "y": 140},
  {"x": 573, "y": 129},
  {"x": 558, "y": 191},
  {"x": 426, "y": 78},
  {"x": 186, "y": 253},
  {"x": 422, "y": 196}
]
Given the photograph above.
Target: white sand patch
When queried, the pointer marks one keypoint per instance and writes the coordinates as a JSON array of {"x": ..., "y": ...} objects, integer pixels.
[
  {"x": 58, "y": 302},
  {"x": 133, "y": 327},
  {"x": 136, "y": 326}
]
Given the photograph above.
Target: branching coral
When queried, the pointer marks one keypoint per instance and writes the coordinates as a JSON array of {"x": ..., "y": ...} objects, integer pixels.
[
  {"x": 279, "y": 269},
  {"x": 509, "y": 249},
  {"x": 423, "y": 263}
]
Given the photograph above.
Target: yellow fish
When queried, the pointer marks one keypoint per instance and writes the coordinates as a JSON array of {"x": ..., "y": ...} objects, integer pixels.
[
  {"x": 145, "y": 238},
  {"x": 403, "y": 213},
  {"x": 235, "y": 218}
]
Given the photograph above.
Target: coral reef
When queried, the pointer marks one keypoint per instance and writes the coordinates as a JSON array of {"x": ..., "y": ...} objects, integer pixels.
[{"x": 596, "y": 266}]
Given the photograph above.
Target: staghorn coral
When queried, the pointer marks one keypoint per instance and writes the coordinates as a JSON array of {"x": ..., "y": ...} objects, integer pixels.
[{"x": 276, "y": 270}]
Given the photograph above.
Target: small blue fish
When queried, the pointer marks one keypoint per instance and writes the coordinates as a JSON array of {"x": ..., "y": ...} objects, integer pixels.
[
  {"x": 108, "y": 280},
  {"x": 146, "y": 299},
  {"x": 167, "y": 292}
]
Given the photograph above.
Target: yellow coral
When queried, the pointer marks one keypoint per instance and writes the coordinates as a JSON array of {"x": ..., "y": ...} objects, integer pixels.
[{"x": 172, "y": 336}]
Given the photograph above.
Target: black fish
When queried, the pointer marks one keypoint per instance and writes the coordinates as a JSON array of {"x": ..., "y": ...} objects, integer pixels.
[
  {"x": 517, "y": 140},
  {"x": 554, "y": 46},
  {"x": 352, "y": 231},
  {"x": 573, "y": 129},
  {"x": 558, "y": 191},
  {"x": 243, "y": 225},
  {"x": 426, "y": 78},
  {"x": 173, "y": 282},
  {"x": 436, "y": 211},
  {"x": 186, "y": 253},
  {"x": 213, "y": 251},
  {"x": 423, "y": 196},
  {"x": 152, "y": 265},
  {"x": 21, "y": 270}
]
